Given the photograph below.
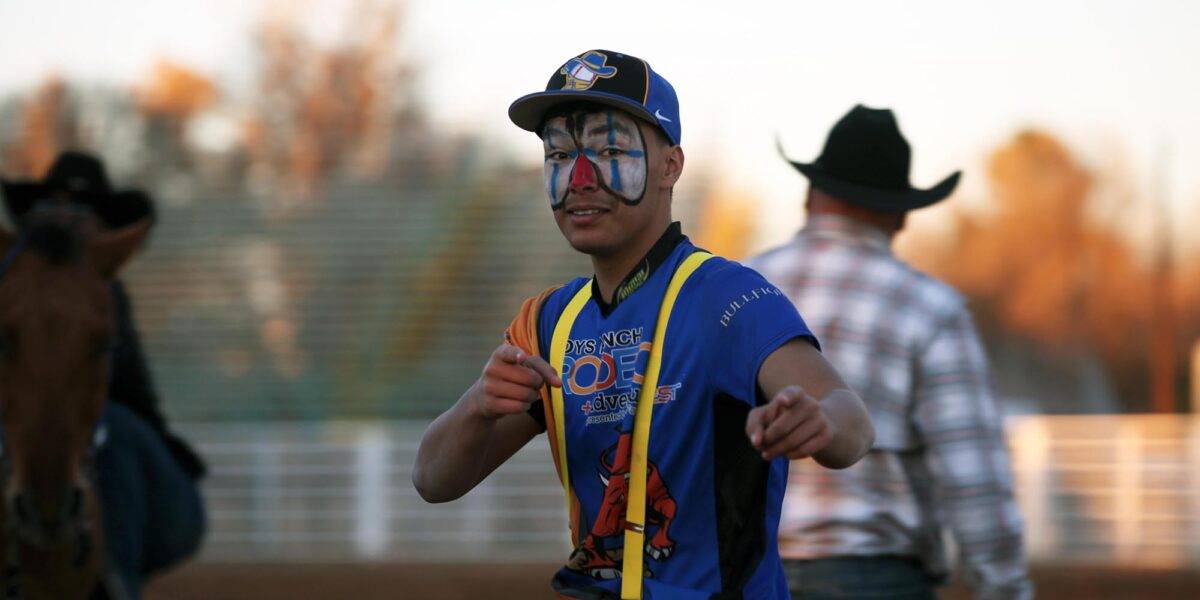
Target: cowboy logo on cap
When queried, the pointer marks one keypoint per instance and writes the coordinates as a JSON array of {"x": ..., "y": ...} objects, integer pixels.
[{"x": 583, "y": 72}]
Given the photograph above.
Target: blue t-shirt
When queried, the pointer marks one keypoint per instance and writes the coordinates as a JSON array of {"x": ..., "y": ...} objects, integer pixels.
[{"x": 713, "y": 504}]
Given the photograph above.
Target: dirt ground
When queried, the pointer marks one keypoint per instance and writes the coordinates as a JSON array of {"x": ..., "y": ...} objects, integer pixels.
[{"x": 462, "y": 582}]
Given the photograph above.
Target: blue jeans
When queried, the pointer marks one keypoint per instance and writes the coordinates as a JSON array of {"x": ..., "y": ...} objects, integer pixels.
[
  {"x": 153, "y": 515},
  {"x": 859, "y": 578}
]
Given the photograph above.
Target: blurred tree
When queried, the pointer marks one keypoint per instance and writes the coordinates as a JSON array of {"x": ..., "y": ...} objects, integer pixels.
[
  {"x": 168, "y": 99},
  {"x": 727, "y": 222},
  {"x": 48, "y": 125},
  {"x": 325, "y": 111},
  {"x": 1039, "y": 264},
  {"x": 176, "y": 92}
]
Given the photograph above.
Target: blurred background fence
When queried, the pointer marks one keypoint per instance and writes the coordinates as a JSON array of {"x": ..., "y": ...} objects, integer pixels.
[
  {"x": 1108, "y": 491},
  {"x": 341, "y": 492}
]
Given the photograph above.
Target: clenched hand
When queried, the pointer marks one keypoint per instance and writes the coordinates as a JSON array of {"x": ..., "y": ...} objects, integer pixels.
[{"x": 510, "y": 382}]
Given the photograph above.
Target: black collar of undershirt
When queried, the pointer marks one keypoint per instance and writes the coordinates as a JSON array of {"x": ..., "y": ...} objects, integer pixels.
[{"x": 658, "y": 253}]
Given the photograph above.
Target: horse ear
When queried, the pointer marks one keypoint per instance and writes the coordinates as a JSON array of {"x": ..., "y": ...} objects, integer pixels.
[{"x": 111, "y": 249}]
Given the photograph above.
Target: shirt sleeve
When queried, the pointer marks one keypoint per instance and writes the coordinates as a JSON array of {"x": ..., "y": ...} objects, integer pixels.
[
  {"x": 750, "y": 318},
  {"x": 956, "y": 415}
]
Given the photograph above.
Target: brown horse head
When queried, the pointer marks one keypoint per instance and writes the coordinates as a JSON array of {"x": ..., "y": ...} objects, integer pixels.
[{"x": 56, "y": 331}]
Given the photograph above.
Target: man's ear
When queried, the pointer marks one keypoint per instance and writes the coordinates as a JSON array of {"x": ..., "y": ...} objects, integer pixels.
[
  {"x": 674, "y": 166},
  {"x": 111, "y": 249}
]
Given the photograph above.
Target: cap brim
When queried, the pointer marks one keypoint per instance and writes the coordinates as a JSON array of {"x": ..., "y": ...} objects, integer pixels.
[
  {"x": 877, "y": 198},
  {"x": 528, "y": 111}
]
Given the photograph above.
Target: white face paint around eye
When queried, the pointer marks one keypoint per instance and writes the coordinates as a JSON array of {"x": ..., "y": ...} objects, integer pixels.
[
  {"x": 613, "y": 150},
  {"x": 561, "y": 154}
]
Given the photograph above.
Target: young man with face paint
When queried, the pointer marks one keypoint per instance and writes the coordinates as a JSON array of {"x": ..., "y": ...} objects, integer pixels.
[{"x": 690, "y": 482}]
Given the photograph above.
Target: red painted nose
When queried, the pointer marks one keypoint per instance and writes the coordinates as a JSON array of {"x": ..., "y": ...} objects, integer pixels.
[{"x": 583, "y": 176}]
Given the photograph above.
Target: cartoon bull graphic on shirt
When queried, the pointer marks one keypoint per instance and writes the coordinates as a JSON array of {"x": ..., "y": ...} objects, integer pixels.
[{"x": 591, "y": 557}]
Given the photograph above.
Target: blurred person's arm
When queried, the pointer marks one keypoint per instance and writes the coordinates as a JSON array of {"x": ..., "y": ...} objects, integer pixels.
[
  {"x": 129, "y": 381},
  {"x": 957, "y": 416},
  {"x": 812, "y": 412},
  {"x": 488, "y": 424}
]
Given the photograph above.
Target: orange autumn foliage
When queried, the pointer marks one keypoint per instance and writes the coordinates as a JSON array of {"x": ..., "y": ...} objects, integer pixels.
[
  {"x": 48, "y": 125},
  {"x": 173, "y": 90},
  {"x": 1040, "y": 264},
  {"x": 322, "y": 111}
]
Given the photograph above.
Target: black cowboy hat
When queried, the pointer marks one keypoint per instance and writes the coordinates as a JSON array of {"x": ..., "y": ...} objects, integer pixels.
[
  {"x": 81, "y": 178},
  {"x": 866, "y": 160}
]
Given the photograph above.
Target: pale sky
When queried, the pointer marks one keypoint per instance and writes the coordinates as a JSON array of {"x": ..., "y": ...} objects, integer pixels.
[{"x": 1109, "y": 77}]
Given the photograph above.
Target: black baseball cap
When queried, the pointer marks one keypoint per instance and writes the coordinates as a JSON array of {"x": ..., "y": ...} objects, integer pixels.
[{"x": 608, "y": 78}]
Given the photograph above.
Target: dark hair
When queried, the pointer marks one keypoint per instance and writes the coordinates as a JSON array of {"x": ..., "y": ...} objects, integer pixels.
[{"x": 566, "y": 109}]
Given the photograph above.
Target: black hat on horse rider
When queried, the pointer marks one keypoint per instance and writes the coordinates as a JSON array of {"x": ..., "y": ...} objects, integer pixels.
[{"x": 81, "y": 179}]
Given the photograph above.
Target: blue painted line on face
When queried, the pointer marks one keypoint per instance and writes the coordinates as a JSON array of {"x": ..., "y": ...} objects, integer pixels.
[
  {"x": 635, "y": 153},
  {"x": 612, "y": 133},
  {"x": 554, "y": 184},
  {"x": 616, "y": 176},
  {"x": 590, "y": 153}
]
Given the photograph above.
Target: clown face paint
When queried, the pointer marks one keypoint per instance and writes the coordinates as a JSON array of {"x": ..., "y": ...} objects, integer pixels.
[{"x": 604, "y": 149}]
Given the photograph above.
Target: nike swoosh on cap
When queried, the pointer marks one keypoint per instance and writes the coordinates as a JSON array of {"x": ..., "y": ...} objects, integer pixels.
[{"x": 659, "y": 116}]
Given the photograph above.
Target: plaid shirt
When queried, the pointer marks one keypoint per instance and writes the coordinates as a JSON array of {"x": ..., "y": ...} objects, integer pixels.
[{"x": 905, "y": 342}]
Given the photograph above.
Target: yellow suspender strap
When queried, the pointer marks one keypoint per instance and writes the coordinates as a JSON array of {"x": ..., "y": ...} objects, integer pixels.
[
  {"x": 635, "y": 509},
  {"x": 558, "y": 352}
]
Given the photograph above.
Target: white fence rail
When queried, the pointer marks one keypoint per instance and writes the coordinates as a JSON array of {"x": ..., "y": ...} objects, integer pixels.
[
  {"x": 340, "y": 491},
  {"x": 1120, "y": 490},
  {"x": 1108, "y": 490}
]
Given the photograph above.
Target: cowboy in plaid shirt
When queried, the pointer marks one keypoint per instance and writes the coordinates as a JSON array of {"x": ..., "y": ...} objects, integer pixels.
[{"x": 905, "y": 342}]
